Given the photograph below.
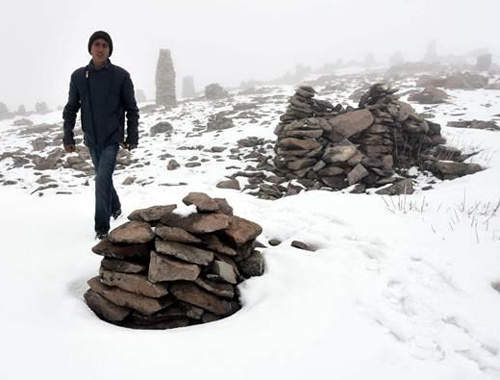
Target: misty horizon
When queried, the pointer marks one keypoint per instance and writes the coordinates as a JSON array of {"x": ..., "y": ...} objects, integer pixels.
[{"x": 226, "y": 42}]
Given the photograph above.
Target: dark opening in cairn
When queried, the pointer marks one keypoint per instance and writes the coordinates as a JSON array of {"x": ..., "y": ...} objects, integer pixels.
[
  {"x": 162, "y": 270},
  {"x": 322, "y": 145}
]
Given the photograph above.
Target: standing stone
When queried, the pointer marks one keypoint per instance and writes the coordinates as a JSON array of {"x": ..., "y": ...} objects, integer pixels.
[
  {"x": 165, "y": 80},
  {"x": 188, "y": 90}
]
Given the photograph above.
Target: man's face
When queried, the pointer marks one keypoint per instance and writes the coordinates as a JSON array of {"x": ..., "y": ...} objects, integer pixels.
[{"x": 99, "y": 51}]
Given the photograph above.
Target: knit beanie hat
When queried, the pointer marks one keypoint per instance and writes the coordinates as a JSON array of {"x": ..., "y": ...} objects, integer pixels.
[{"x": 105, "y": 36}]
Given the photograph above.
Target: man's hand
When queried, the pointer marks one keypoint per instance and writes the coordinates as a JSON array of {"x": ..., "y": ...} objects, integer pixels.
[
  {"x": 70, "y": 148},
  {"x": 128, "y": 146}
]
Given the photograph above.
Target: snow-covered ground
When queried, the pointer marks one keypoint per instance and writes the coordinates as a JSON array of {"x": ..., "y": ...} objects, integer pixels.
[{"x": 400, "y": 288}]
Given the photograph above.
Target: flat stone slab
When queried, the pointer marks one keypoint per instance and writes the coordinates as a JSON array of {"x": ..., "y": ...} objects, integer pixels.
[
  {"x": 123, "y": 266},
  {"x": 175, "y": 234},
  {"x": 134, "y": 283},
  {"x": 162, "y": 268},
  {"x": 213, "y": 243},
  {"x": 151, "y": 214},
  {"x": 144, "y": 305},
  {"x": 219, "y": 289},
  {"x": 190, "y": 293},
  {"x": 224, "y": 207},
  {"x": 184, "y": 252},
  {"x": 198, "y": 223},
  {"x": 242, "y": 230},
  {"x": 350, "y": 123},
  {"x": 202, "y": 202},
  {"x": 104, "y": 308},
  {"x": 225, "y": 271},
  {"x": 126, "y": 252},
  {"x": 133, "y": 232}
]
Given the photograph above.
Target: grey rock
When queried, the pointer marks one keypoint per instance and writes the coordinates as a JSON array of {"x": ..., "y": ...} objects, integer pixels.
[
  {"x": 254, "y": 265},
  {"x": 402, "y": 187},
  {"x": 162, "y": 268},
  {"x": 184, "y": 252},
  {"x": 301, "y": 245},
  {"x": 229, "y": 184},
  {"x": 356, "y": 174}
]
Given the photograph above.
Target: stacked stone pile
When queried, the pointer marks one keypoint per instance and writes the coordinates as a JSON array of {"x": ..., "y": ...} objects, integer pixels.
[
  {"x": 163, "y": 270},
  {"x": 337, "y": 148}
]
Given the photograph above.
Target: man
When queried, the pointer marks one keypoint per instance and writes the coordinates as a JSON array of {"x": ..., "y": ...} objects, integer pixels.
[{"x": 105, "y": 93}]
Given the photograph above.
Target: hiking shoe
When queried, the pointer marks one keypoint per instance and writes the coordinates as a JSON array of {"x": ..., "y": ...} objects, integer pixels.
[
  {"x": 117, "y": 213},
  {"x": 101, "y": 235}
]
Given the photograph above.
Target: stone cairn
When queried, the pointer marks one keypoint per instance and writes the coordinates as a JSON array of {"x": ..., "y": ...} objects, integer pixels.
[
  {"x": 164, "y": 270},
  {"x": 322, "y": 145},
  {"x": 188, "y": 90},
  {"x": 165, "y": 80}
]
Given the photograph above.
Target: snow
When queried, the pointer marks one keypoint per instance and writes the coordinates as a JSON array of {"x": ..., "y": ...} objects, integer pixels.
[{"x": 400, "y": 287}]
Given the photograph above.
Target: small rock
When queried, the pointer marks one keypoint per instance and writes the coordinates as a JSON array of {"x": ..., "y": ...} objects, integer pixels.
[{"x": 301, "y": 245}]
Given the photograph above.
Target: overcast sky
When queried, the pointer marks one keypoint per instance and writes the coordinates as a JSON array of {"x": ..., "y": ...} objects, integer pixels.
[{"x": 224, "y": 41}]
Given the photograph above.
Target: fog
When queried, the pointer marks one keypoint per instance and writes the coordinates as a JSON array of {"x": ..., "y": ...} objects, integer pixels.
[{"x": 225, "y": 41}]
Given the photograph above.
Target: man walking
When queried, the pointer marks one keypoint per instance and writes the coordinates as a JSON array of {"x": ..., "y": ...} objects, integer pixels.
[{"x": 105, "y": 94}]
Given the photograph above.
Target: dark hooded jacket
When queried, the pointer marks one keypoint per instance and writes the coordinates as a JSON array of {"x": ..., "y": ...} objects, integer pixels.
[{"x": 105, "y": 96}]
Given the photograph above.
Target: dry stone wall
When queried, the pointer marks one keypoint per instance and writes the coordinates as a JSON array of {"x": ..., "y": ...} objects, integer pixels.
[
  {"x": 164, "y": 270},
  {"x": 323, "y": 145}
]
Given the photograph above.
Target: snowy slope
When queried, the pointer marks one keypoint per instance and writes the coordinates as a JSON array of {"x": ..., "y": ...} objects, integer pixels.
[{"x": 400, "y": 287}]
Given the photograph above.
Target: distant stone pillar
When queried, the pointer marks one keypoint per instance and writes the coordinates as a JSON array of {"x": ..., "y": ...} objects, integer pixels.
[
  {"x": 188, "y": 90},
  {"x": 165, "y": 80}
]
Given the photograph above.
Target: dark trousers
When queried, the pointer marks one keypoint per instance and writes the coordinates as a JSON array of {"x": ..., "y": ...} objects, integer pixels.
[{"x": 106, "y": 199}]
